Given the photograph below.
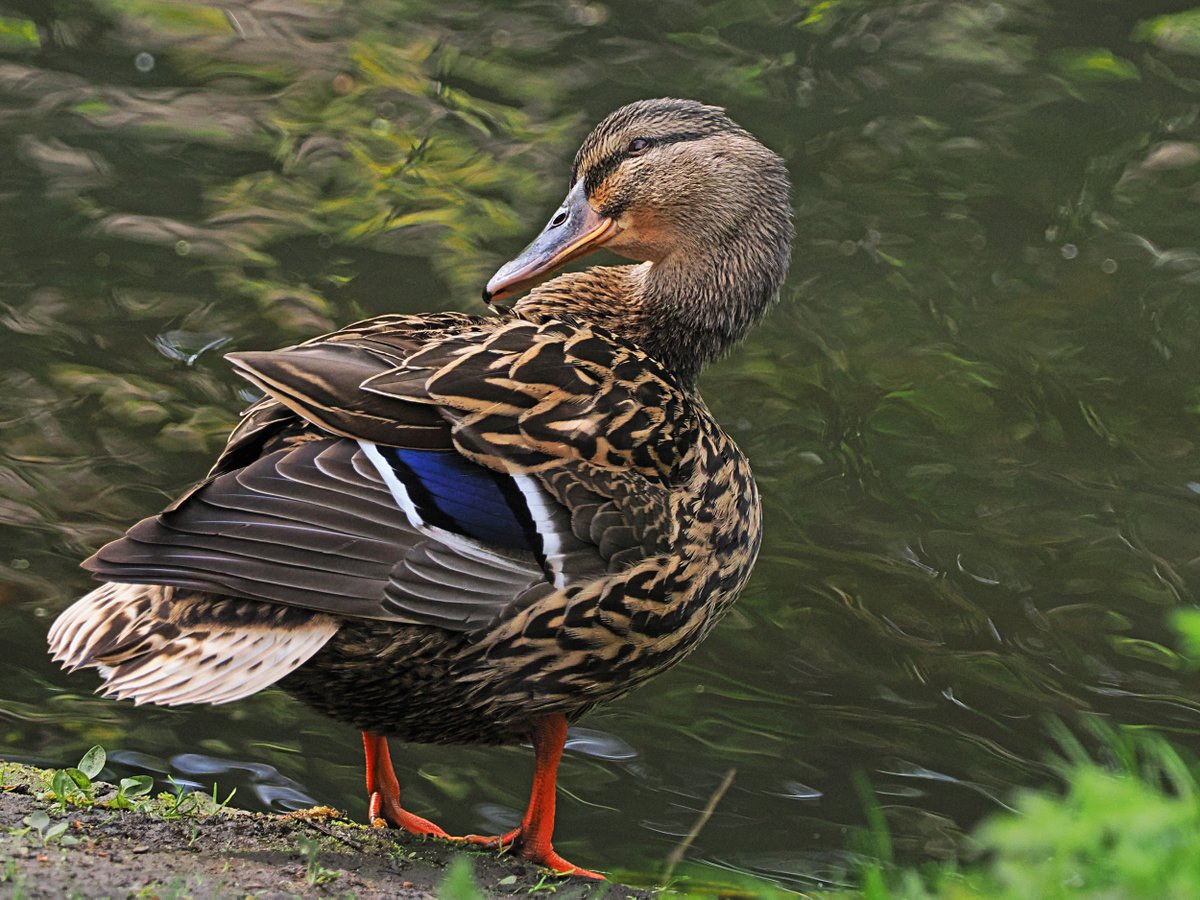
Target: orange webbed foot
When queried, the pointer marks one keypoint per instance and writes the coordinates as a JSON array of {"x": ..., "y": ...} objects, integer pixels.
[
  {"x": 383, "y": 812},
  {"x": 531, "y": 840},
  {"x": 545, "y": 857},
  {"x": 384, "y": 809},
  {"x": 551, "y": 860},
  {"x": 492, "y": 842}
]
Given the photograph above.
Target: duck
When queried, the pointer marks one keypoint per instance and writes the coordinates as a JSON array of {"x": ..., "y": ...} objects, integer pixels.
[{"x": 451, "y": 528}]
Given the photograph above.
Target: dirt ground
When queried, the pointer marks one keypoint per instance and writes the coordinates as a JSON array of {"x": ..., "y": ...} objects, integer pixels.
[{"x": 191, "y": 849}]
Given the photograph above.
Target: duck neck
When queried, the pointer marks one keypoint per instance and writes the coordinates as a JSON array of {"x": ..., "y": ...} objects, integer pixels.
[
  {"x": 608, "y": 296},
  {"x": 695, "y": 308},
  {"x": 685, "y": 310}
]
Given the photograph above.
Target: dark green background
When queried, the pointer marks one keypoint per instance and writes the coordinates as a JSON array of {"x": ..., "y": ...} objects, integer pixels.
[{"x": 973, "y": 414}]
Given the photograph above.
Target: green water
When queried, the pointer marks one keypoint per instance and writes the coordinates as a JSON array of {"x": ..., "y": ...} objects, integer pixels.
[{"x": 973, "y": 414}]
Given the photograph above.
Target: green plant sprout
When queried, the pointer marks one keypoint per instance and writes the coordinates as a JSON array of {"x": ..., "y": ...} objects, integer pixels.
[
  {"x": 74, "y": 784},
  {"x": 315, "y": 873},
  {"x": 38, "y": 822}
]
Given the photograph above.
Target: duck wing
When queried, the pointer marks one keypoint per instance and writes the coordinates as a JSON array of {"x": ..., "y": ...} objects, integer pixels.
[{"x": 427, "y": 470}]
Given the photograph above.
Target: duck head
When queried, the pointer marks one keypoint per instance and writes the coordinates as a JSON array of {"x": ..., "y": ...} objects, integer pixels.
[{"x": 706, "y": 208}]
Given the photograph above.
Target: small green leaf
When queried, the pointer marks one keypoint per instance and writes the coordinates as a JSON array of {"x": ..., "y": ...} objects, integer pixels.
[
  {"x": 38, "y": 820},
  {"x": 56, "y": 830},
  {"x": 79, "y": 778},
  {"x": 60, "y": 784},
  {"x": 136, "y": 786},
  {"x": 508, "y": 879},
  {"x": 93, "y": 761}
]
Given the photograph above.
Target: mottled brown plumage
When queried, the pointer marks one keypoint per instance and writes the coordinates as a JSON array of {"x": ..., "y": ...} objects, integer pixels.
[{"x": 460, "y": 529}]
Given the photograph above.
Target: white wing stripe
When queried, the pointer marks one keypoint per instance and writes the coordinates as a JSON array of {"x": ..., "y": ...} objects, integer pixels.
[
  {"x": 394, "y": 484},
  {"x": 541, "y": 512}
]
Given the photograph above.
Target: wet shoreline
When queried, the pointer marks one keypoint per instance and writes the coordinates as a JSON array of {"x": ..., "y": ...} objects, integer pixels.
[{"x": 166, "y": 848}]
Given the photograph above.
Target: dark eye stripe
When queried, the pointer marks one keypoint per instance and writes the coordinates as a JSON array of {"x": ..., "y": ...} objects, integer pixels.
[{"x": 606, "y": 166}]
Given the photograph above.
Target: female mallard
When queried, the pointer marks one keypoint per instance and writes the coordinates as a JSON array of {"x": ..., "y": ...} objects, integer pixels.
[{"x": 462, "y": 529}]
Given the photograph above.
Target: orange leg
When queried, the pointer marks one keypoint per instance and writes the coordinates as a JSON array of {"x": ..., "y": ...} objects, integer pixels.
[
  {"x": 384, "y": 807},
  {"x": 532, "y": 839}
]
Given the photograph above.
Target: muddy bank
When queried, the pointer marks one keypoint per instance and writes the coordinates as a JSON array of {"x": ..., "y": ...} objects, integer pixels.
[{"x": 185, "y": 846}]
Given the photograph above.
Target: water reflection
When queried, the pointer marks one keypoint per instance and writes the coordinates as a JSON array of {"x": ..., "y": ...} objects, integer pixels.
[
  {"x": 972, "y": 415},
  {"x": 599, "y": 744},
  {"x": 272, "y": 790},
  {"x": 252, "y": 784}
]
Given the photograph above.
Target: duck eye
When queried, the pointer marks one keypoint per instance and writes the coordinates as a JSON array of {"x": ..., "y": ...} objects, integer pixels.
[{"x": 637, "y": 146}]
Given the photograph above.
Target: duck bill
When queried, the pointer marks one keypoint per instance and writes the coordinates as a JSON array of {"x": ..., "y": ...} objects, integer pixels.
[{"x": 573, "y": 231}]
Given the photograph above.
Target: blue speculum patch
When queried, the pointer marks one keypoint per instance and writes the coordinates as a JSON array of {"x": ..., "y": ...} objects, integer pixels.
[{"x": 456, "y": 494}]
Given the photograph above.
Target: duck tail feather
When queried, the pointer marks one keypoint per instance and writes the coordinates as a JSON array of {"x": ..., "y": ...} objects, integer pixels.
[{"x": 157, "y": 644}]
